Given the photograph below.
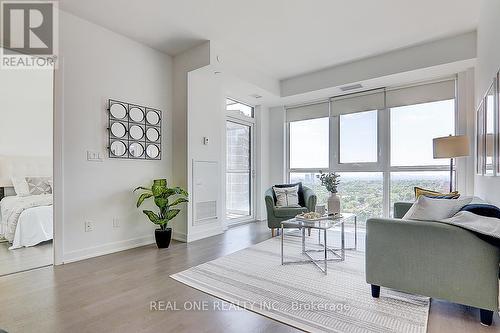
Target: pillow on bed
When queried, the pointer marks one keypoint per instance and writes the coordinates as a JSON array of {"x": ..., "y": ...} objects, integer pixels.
[
  {"x": 39, "y": 185},
  {"x": 20, "y": 186},
  {"x": 431, "y": 209}
]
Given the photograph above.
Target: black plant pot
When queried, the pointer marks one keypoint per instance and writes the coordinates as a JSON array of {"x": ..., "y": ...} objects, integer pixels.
[{"x": 163, "y": 237}]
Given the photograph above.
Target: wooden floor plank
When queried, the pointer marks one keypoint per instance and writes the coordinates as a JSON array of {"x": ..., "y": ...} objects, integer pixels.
[{"x": 113, "y": 293}]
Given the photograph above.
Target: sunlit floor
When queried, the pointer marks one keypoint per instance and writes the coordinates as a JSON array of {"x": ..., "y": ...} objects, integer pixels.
[
  {"x": 232, "y": 216},
  {"x": 25, "y": 258}
]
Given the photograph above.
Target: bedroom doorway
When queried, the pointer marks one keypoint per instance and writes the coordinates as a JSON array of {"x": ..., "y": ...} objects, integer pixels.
[{"x": 26, "y": 150}]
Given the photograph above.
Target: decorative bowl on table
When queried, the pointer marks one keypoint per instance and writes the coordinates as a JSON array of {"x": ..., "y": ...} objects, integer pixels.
[{"x": 311, "y": 217}]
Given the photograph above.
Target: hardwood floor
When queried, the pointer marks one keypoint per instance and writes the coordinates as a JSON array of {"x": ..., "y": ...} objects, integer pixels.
[
  {"x": 12, "y": 261},
  {"x": 113, "y": 294}
]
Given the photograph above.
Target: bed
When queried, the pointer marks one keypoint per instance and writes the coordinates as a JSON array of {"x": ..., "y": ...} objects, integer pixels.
[{"x": 26, "y": 219}]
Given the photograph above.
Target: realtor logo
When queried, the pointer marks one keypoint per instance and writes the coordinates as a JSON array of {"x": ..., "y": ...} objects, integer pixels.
[{"x": 28, "y": 34}]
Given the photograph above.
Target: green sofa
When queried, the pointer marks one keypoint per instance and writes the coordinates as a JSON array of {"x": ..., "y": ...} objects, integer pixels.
[
  {"x": 432, "y": 259},
  {"x": 276, "y": 215}
]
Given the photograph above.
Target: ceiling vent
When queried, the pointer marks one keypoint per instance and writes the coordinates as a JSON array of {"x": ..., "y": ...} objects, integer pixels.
[{"x": 351, "y": 87}]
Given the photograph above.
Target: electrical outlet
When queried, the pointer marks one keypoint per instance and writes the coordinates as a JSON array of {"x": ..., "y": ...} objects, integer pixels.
[
  {"x": 89, "y": 226},
  {"x": 116, "y": 222}
]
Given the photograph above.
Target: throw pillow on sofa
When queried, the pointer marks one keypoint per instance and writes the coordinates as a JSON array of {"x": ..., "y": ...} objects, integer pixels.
[
  {"x": 433, "y": 194},
  {"x": 432, "y": 209},
  {"x": 287, "y": 196},
  {"x": 482, "y": 210}
]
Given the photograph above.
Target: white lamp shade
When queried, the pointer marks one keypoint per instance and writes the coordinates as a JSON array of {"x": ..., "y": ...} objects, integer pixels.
[{"x": 451, "y": 146}]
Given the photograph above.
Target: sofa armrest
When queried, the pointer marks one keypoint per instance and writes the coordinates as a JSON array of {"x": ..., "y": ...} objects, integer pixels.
[
  {"x": 310, "y": 199},
  {"x": 400, "y": 208},
  {"x": 432, "y": 259}
]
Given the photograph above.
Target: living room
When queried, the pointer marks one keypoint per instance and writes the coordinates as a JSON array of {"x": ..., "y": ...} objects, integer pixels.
[{"x": 264, "y": 166}]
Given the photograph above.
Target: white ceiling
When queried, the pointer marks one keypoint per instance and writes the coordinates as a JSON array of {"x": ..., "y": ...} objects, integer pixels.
[{"x": 284, "y": 37}]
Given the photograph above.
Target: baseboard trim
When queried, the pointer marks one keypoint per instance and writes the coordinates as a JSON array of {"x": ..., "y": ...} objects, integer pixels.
[
  {"x": 100, "y": 250},
  {"x": 179, "y": 236},
  {"x": 194, "y": 236}
]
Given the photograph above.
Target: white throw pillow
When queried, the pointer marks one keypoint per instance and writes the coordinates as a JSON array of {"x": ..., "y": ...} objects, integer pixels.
[
  {"x": 432, "y": 209},
  {"x": 287, "y": 196},
  {"x": 20, "y": 186}
]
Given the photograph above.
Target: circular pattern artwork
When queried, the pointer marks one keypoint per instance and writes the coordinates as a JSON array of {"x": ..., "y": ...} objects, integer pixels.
[
  {"x": 136, "y": 149},
  {"x": 152, "y": 117},
  {"x": 152, "y": 134},
  {"x": 136, "y": 114},
  {"x": 152, "y": 151},
  {"x": 118, "y": 148},
  {"x": 118, "y": 111},
  {"x": 136, "y": 132},
  {"x": 118, "y": 130}
]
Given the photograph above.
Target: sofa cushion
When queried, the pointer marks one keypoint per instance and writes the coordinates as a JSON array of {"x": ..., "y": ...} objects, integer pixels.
[
  {"x": 483, "y": 210},
  {"x": 431, "y": 209},
  {"x": 433, "y": 194},
  {"x": 301, "y": 192},
  {"x": 289, "y": 212}
]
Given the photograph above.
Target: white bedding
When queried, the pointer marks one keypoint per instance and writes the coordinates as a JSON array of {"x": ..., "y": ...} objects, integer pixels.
[{"x": 26, "y": 221}]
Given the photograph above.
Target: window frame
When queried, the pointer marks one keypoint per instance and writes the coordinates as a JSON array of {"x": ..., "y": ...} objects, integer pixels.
[
  {"x": 234, "y": 115},
  {"x": 383, "y": 164},
  {"x": 245, "y": 121}
]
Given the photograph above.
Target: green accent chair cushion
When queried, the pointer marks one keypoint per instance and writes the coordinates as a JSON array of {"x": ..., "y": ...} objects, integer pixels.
[{"x": 276, "y": 215}]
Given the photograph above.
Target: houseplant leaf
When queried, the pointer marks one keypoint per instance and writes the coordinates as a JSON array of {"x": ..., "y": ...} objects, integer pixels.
[
  {"x": 171, "y": 214},
  {"x": 142, "y": 188},
  {"x": 178, "y": 201},
  {"x": 153, "y": 217},
  {"x": 143, "y": 197}
]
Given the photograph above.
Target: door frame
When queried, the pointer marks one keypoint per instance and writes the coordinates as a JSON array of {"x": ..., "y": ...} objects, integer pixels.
[{"x": 250, "y": 122}]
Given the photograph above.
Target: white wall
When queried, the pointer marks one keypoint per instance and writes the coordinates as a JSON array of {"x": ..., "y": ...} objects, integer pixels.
[
  {"x": 182, "y": 64},
  {"x": 26, "y": 112},
  {"x": 263, "y": 160},
  {"x": 277, "y": 141},
  {"x": 97, "y": 64},
  {"x": 488, "y": 63},
  {"x": 206, "y": 118}
]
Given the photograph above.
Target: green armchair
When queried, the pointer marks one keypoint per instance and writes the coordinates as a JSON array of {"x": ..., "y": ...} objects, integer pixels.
[{"x": 276, "y": 215}]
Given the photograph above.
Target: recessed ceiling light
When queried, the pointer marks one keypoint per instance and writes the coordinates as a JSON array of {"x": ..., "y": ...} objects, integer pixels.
[
  {"x": 217, "y": 73},
  {"x": 256, "y": 96}
]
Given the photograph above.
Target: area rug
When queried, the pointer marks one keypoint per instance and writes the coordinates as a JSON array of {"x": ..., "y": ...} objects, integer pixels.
[{"x": 302, "y": 296}]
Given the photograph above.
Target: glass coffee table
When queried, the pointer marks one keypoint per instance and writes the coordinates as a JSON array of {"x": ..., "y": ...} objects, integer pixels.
[{"x": 337, "y": 254}]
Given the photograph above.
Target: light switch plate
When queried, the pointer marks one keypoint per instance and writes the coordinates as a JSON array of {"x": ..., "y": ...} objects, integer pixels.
[{"x": 94, "y": 156}]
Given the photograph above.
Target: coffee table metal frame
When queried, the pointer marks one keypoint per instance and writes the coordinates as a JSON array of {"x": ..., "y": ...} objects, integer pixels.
[{"x": 324, "y": 225}]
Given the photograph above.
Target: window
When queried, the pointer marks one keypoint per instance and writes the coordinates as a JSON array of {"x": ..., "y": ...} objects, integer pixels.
[
  {"x": 356, "y": 128},
  {"x": 380, "y": 142},
  {"x": 238, "y": 171},
  {"x": 362, "y": 193},
  {"x": 414, "y": 126},
  {"x": 403, "y": 183},
  {"x": 312, "y": 181},
  {"x": 490, "y": 130},
  {"x": 238, "y": 109},
  {"x": 309, "y": 143}
]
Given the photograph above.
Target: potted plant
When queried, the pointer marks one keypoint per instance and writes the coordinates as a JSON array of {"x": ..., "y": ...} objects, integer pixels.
[
  {"x": 161, "y": 195},
  {"x": 330, "y": 181}
]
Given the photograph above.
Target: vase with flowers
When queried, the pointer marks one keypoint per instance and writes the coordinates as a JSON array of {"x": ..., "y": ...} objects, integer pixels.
[{"x": 331, "y": 182}]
